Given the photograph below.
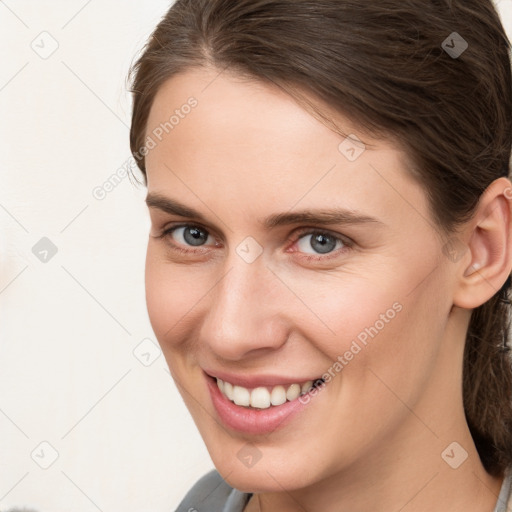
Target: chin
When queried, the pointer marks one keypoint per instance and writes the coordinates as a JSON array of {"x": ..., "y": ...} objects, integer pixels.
[
  {"x": 249, "y": 468},
  {"x": 263, "y": 479}
]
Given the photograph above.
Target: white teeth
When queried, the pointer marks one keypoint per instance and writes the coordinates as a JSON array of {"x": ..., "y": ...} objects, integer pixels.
[
  {"x": 241, "y": 396},
  {"x": 228, "y": 390},
  {"x": 278, "y": 396},
  {"x": 293, "y": 392},
  {"x": 262, "y": 398},
  {"x": 306, "y": 387}
]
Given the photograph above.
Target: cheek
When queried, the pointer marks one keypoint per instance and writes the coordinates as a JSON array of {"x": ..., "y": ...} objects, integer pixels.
[
  {"x": 400, "y": 362},
  {"x": 347, "y": 311},
  {"x": 382, "y": 324},
  {"x": 172, "y": 292}
]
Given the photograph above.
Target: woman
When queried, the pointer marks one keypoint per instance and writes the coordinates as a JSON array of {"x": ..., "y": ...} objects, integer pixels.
[{"x": 328, "y": 264}]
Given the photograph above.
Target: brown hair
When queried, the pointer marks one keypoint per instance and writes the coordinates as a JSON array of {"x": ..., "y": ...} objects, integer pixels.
[{"x": 386, "y": 65}]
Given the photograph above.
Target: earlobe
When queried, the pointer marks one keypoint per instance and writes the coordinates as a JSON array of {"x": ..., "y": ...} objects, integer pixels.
[{"x": 490, "y": 246}]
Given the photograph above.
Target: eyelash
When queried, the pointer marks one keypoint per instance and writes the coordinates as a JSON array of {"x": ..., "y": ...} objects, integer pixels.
[
  {"x": 297, "y": 235},
  {"x": 302, "y": 232},
  {"x": 167, "y": 232}
]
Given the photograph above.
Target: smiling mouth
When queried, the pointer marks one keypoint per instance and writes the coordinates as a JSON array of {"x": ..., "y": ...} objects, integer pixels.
[{"x": 265, "y": 397}]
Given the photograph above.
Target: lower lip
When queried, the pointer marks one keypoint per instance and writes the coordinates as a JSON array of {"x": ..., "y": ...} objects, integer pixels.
[{"x": 252, "y": 421}]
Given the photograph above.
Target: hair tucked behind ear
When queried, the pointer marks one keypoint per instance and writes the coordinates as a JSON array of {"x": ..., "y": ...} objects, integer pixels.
[
  {"x": 487, "y": 382},
  {"x": 384, "y": 65}
]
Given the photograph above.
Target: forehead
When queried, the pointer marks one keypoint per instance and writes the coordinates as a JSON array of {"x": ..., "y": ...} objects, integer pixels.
[{"x": 252, "y": 143}]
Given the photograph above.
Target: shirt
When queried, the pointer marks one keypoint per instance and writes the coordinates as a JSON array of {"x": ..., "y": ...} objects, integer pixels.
[{"x": 212, "y": 494}]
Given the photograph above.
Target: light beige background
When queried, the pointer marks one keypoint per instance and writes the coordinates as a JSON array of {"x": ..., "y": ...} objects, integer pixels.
[{"x": 79, "y": 368}]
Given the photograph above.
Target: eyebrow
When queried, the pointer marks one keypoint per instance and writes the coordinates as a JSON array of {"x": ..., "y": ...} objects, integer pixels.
[
  {"x": 321, "y": 217},
  {"x": 172, "y": 207},
  {"x": 308, "y": 216}
]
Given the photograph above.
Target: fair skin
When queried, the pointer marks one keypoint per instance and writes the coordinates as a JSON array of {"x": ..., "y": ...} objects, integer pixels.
[{"x": 372, "y": 438}]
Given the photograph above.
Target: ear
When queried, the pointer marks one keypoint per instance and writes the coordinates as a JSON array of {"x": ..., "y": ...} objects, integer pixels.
[{"x": 486, "y": 267}]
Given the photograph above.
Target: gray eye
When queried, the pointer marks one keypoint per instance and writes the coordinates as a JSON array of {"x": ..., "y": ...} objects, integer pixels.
[
  {"x": 191, "y": 235},
  {"x": 319, "y": 243}
]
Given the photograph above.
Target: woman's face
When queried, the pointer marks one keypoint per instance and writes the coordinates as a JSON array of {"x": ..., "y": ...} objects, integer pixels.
[{"x": 290, "y": 254}]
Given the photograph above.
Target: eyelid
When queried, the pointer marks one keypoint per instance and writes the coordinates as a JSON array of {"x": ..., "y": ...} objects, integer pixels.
[
  {"x": 167, "y": 231},
  {"x": 347, "y": 242},
  {"x": 292, "y": 240},
  {"x": 300, "y": 232},
  {"x": 184, "y": 224}
]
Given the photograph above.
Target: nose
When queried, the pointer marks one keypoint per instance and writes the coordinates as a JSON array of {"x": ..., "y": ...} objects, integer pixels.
[{"x": 244, "y": 316}]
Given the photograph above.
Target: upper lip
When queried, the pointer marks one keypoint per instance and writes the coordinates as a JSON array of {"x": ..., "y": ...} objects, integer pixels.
[{"x": 255, "y": 381}]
